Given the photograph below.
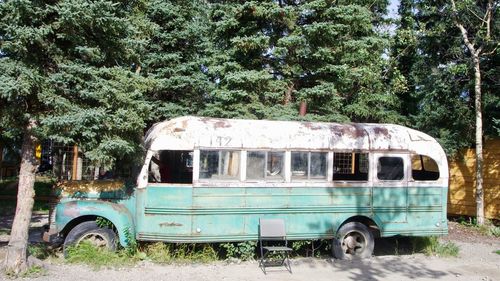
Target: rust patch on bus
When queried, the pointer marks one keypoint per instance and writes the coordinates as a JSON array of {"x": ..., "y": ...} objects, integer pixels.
[
  {"x": 71, "y": 209},
  {"x": 221, "y": 124},
  {"x": 355, "y": 131},
  {"x": 381, "y": 131},
  {"x": 311, "y": 126}
]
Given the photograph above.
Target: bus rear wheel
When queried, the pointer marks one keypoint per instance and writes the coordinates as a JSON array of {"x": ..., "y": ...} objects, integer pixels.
[
  {"x": 354, "y": 241},
  {"x": 90, "y": 232}
]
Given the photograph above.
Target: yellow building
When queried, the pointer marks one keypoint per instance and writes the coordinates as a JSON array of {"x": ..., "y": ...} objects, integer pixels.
[{"x": 462, "y": 198}]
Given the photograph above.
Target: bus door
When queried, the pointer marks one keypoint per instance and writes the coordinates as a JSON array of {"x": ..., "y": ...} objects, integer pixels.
[
  {"x": 390, "y": 187},
  {"x": 165, "y": 208}
]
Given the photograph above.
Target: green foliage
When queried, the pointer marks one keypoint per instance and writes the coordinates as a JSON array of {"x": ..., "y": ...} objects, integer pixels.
[
  {"x": 431, "y": 246},
  {"x": 242, "y": 250},
  {"x": 300, "y": 245},
  {"x": 40, "y": 251},
  {"x": 34, "y": 272},
  {"x": 103, "y": 222},
  {"x": 488, "y": 228},
  {"x": 497, "y": 252},
  {"x": 175, "y": 57},
  {"x": 434, "y": 73},
  {"x": 494, "y": 231},
  {"x": 132, "y": 246},
  {"x": 180, "y": 253},
  {"x": 269, "y": 56},
  {"x": 65, "y": 66},
  {"x": 86, "y": 253}
]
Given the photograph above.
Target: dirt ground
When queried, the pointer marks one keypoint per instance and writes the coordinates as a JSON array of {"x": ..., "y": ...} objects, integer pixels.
[{"x": 476, "y": 261}]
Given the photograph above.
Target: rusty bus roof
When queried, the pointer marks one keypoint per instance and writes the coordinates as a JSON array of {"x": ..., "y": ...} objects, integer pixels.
[{"x": 189, "y": 132}]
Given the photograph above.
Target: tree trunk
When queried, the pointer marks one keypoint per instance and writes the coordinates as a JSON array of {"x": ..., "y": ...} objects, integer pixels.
[
  {"x": 1, "y": 160},
  {"x": 479, "y": 142},
  {"x": 288, "y": 94},
  {"x": 475, "y": 55},
  {"x": 16, "y": 256}
]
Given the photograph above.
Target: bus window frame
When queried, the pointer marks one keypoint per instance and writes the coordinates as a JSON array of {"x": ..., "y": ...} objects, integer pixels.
[
  {"x": 406, "y": 169},
  {"x": 370, "y": 166}
]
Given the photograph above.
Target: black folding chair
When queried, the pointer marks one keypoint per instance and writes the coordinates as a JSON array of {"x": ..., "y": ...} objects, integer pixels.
[{"x": 273, "y": 231}]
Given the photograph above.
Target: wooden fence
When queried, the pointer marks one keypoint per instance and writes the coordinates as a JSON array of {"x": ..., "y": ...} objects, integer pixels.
[{"x": 461, "y": 198}]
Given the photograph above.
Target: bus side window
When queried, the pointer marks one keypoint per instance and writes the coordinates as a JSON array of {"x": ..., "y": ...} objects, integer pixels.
[
  {"x": 265, "y": 165},
  {"x": 219, "y": 164},
  {"x": 390, "y": 168},
  {"x": 351, "y": 166},
  {"x": 424, "y": 168},
  {"x": 171, "y": 166},
  {"x": 309, "y": 165}
]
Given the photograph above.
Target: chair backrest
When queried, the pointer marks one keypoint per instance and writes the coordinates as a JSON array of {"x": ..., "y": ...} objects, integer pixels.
[{"x": 272, "y": 228}]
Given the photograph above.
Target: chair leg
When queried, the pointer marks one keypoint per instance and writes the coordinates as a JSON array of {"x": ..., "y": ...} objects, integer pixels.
[
  {"x": 262, "y": 257},
  {"x": 287, "y": 262}
]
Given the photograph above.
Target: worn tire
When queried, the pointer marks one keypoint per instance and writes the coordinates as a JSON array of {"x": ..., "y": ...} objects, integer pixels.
[
  {"x": 354, "y": 241},
  {"x": 89, "y": 230}
]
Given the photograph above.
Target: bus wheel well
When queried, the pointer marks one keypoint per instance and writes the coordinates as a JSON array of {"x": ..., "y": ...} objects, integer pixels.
[
  {"x": 70, "y": 225},
  {"x": 366, "y": 221}
]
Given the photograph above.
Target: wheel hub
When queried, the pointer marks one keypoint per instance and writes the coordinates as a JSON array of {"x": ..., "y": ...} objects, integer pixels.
[
  {"x": 353, "y": 243},
  {"x": 94, "y": 239}
]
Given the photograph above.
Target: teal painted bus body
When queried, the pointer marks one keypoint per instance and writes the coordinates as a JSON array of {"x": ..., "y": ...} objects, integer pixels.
[{"x": 215, "y": 214}]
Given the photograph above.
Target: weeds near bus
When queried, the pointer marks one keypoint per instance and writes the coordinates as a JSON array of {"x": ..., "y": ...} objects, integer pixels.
[
  {"x": 132, "y": 243},
  {"x": 488, "y": 228},
  {"x": 103, "y": 222},
  {"x": 40, "y": 251},
  {"x": 181, "y": 253},
  {"x": 86, "y": 253},
  {"x": 32, "y": 272},
  {"x": 494, "y": 231},
  {"x": 431, "y": 246},
  {"x": 243, "y": 250}
]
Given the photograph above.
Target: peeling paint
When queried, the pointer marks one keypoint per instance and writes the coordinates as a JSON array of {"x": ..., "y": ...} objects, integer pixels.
[{"x": 71, "y": 209}]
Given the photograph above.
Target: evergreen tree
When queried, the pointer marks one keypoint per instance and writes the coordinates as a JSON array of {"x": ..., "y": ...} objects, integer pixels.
[
  {"x": 272, "y": 55},
  {"x": 65, "y": 75},
  {"x": 244, "y": 34},
  {"x": 175, "y": 57}
]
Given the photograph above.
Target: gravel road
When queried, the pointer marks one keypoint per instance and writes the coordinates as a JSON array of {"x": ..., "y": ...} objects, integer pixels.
[{"x": 476, "y": 262}]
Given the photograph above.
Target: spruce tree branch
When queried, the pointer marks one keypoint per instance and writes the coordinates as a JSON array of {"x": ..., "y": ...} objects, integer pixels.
[
  {"x": 465, "y": 35},
  {"x": 482, "y": 19}
]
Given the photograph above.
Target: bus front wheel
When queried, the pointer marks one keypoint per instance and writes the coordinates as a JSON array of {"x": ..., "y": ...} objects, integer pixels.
[
  {"x": 354, "y": 241},
  {"x": 90, "y": 232}
]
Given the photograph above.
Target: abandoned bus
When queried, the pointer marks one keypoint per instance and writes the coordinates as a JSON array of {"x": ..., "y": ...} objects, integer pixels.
[{"x": 211, "y": 180}]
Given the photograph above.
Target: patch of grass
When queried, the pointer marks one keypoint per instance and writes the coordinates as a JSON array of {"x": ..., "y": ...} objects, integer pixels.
[
  {"x": 180, "y": 253},
  {"x": 33, "y": 272},
  {"x": 431, "y": 246},
  {"x": 41, "y": 251},
  {"x": 494, "y": 231},
  {"x": 488, "y": 228},
  {"x": 86, "y": 253},
  {"x": 159, "y": 252},
  {"x": 497, "y": 252}
]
